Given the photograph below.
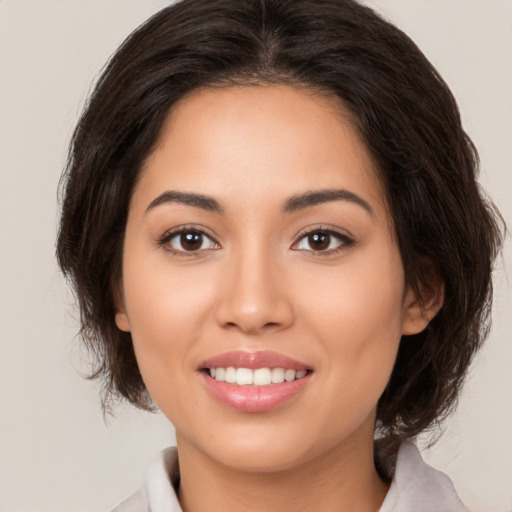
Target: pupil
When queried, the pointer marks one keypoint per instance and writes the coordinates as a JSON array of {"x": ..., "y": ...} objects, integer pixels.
[
  {"x": 191, "y": 241},
  {"x": 319, "y": 241}
]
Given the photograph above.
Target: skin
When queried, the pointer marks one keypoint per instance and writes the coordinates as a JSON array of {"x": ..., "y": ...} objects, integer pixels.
[{"x": 256, "y": 283}]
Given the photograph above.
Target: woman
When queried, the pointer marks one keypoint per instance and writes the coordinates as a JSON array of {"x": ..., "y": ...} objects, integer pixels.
[{"x": 273, "y": 227}]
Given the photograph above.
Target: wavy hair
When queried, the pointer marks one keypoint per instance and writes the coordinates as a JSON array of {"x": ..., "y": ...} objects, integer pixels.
[{"x": 407, "y": 118}]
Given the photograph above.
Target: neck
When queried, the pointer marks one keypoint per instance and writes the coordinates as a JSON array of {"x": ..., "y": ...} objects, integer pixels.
[{"x": 342, "y": 480}]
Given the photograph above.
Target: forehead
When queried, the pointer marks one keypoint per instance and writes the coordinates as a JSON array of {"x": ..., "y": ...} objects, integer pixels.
[{"x": 261, "y": 142}]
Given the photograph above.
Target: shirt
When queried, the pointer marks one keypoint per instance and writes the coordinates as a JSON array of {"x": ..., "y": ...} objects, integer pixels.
[{"x": 415, "y": 486}]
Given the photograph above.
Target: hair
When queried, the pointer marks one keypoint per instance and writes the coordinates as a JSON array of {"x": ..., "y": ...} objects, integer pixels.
[{"x": 406, "y": 116}]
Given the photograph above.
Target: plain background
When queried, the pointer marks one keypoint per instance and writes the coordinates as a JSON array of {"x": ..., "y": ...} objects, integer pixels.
[{"x": 56, "y": 453}]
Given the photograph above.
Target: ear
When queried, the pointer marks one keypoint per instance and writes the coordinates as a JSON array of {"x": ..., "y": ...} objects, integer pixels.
[
  {"x": 121, "y": 316},
  {"x": 419, "y": 311}
]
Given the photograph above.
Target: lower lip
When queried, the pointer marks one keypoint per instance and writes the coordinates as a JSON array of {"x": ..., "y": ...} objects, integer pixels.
[{"x": 255, "y": 398}]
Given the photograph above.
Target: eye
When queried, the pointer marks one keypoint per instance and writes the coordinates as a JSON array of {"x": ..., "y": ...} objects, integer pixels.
[
  {"x": 323, "y": 241},
  {"x": 188, "y": 240}
]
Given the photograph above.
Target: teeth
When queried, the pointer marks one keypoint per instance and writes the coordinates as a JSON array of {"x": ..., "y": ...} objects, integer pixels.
[
  {"x": 277, "y": 375},
  {"x": 289, "y": 375},
  {"x": 230, "y": 374},
  {"x": 262, "y": 377},
  {"x": 258, "y": 377},
  {"x": 244, "y": 376}
]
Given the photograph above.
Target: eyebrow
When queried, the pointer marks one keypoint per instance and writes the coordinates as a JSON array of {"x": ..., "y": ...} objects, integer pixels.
[
  {"x": 293, "y": 204},
  {"x": 309, "y": 199},
  {"x": 197, "y": 200}
]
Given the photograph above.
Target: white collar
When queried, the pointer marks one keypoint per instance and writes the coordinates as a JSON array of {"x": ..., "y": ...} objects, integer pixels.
[
  {"x": 415, "y": 487},
  {"x": 418, "y": 487}
]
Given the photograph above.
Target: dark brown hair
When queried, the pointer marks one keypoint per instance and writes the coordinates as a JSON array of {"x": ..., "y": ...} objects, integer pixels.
[{"x": 406, "y": 115}]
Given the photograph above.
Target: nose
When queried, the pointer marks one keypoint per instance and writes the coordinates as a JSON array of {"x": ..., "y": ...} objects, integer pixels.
[{"x": 253, "y": 295}]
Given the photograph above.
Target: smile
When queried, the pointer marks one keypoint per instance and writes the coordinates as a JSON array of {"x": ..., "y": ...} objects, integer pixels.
[
  {"x": 254, "y": 382},
  {"x": 257, "y": 377}
]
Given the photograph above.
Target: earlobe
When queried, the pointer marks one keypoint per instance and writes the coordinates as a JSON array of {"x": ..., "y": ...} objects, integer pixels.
[
  {"x": 121, "y": 317},
  {"x": 418, "y": 312},
  {"x": 122, "y": 321}
]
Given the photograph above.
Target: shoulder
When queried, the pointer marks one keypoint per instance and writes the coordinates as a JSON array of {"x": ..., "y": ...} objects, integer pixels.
[
  {"x": 137, "y": 502},
  {"x": 158, "y": 493},
  {"x": 417, "y": 486}
]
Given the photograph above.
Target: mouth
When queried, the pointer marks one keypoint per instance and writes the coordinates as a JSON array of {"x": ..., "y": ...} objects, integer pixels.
[
  {"x": 254, "y": 382},
  {"x": 258, "y": 377}
]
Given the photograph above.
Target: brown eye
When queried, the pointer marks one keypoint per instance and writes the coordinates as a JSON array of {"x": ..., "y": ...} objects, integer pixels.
[
  {"x": 319, "y": 241},
  {"x": 189, "y": 241},
  {"x": 323, "y": 241}
]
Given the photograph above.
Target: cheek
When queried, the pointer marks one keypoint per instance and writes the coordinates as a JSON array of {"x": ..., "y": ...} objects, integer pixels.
[
  {"x": 166, "y": 309},
  {"x": 356, "y": 316},
  {"x": 363, "y": 297}
]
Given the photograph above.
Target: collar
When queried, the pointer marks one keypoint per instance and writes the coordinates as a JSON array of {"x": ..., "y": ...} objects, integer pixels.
[{"x": 415, "y": 486}]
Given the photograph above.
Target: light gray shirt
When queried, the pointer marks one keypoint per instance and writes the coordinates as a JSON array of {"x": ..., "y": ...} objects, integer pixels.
[{"x": 415, "y": 487}]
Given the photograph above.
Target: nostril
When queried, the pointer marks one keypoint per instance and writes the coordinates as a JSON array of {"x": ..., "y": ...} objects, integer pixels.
[{"x": 253, "y": 312}]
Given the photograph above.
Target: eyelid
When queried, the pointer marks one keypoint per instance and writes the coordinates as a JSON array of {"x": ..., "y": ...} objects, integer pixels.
[
  {"x": 345, "y": 238},
  {"x": 164, "y": 240}
]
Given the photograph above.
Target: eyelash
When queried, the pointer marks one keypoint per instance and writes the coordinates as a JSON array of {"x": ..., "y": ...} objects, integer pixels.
[
  {"x": 345, "y": 241},
  {"x": 168, "y": 236}
]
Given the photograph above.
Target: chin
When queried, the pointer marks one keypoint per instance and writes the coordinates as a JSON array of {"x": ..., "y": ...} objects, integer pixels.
[
  {"x": 268, "y": 447},
  {"x": 260, "y": 459}
]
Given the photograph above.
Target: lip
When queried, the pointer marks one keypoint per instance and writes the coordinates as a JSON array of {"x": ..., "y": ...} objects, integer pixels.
[
  {"x": 254, "y": 399},
  {"x": 253, "y": 361}
]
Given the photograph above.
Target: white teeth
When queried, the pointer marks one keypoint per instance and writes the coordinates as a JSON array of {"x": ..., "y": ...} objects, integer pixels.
[
  {"x": 277, "y": 375},
  {"x": 230, "y": 374},
  {"x": 289, "y": 375},
  {"x": 258, "y": 377},
  {"x": 244, "y": 376},
  {"x": 262, "y": 377}
]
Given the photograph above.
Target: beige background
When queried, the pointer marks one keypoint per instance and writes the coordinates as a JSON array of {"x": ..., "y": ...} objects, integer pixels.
[{"x": 56, "y": 453}]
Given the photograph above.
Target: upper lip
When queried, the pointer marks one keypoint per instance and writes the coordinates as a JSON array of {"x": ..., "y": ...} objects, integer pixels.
[{"x": 253, "y": 361}]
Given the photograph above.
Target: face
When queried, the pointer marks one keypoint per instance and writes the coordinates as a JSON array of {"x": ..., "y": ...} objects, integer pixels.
[{"x": 261, "y": 281}]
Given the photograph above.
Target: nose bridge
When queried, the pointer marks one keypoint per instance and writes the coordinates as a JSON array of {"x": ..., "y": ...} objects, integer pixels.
[{"x": 254, "y": 297}]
